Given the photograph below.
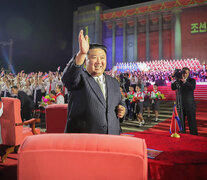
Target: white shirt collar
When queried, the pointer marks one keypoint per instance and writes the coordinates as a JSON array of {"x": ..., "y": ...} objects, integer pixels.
[{"x": 101, "y": 77}]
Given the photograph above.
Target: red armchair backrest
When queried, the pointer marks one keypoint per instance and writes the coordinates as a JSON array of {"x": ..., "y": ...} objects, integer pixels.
[
  {"x": 82, "y": 156},
  {"x": 11, "y": 134},
  {"x": 56, "y": 117}
]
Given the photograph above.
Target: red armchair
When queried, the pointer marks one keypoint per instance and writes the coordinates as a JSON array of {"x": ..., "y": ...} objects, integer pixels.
[
  {"x": 56, "y": 117},
  {"x": 82, "y": 156},
  {"x": 12, "y": 130}
]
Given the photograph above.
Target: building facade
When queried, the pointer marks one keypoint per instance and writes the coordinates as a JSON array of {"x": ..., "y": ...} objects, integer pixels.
[{"x": 170, "y": 29}]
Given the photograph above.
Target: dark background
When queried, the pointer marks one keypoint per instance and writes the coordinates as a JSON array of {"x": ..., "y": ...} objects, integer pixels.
[{"x": 41, "y": 31}]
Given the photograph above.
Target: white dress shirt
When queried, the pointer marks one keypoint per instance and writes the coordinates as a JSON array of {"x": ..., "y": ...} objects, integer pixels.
[
  {"x": 60, "y": 99},
  {"x": 102, "y": 80}
]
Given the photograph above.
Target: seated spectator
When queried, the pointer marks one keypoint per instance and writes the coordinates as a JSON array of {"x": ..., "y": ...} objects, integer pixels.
[{"x": 27, "y": 104}]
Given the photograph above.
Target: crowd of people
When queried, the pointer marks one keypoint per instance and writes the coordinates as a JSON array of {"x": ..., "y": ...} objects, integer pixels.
[
  {"x": 162, "y": 69},
  {"x": 137, "y": 100},
  {"x": 38, "y": 85},
  {"x": 160, "y": 65},
  {"x": 31, "y": 88}
]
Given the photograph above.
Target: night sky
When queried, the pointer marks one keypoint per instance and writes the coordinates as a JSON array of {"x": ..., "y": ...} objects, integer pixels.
[{"x": 41, "y": 31}]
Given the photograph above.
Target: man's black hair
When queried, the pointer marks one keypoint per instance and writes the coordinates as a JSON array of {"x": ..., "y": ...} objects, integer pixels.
[
  {"x": 53, "y": 92},
  {"x": 186, "y": 68},
  {"x": 156, "y": 85},
  {"x": 14, "y": 87},
  {"x": 100, "y": 46},
  {"x": 139, "y": 85},
  {"x": 60, "y": 87}
]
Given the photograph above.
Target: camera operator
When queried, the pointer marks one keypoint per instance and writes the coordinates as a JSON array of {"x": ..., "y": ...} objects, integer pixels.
[{"x": 186, "y": 86}]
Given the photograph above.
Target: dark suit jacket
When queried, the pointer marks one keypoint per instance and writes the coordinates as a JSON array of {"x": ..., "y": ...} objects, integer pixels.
[
  {"x": 187, "y": 93},
  {"x": 7, "y": 94},
  {"x": 88, "y": 111},
  {"x": 38, "y": 97},
  {"x": 27, "y": 105},
  {"x": 26, "y": 101}
]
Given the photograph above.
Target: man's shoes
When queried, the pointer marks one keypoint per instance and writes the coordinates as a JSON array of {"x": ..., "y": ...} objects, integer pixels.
[{"x": 140, "y": 124}]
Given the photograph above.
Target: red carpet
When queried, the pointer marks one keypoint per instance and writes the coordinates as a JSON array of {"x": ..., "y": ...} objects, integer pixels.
[
  {"x": 184, "y": 158},
  {"x": 8, "y": 170},
  {"x": 201, "y": 119}
]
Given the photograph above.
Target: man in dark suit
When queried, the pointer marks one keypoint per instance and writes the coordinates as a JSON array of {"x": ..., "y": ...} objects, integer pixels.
[
  {"x": 94, "y": 98},
  {"x": 26, "y": 103},
  {"x": 187, "y": 86}
]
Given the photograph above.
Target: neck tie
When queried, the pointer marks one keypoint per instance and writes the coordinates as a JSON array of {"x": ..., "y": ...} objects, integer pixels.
[
  {"x": 35, "y": 95},
  {"x": 101, "y": 86},
  {"x": 63, "y": 90},
  {"x": 5, "y": 93},
  {"x": 50, "y": 88}
]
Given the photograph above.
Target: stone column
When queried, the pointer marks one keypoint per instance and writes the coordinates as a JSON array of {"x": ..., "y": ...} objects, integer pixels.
[
  {"x": 75, "y": 32},
  {"x": 147, "y": 39},
  {"x": 113, "y": 43},
  {"x": 98, "y": 25},
  {"x": 135, "y": 40},
  {"x": 177, "y": 35},
  {"x": 160, "y": 36},
  {"x": 124, "y": 40}
]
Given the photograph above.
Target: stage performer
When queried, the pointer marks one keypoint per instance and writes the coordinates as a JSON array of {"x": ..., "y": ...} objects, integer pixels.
[
  {"x": 139, "y": 99},
  {"x": 130, "y": 103},
  {"x": 155, "y": 96},
  {"x": 187, "y": 87},
  {"x": 146, "y": 103},
  {"x": 94, "y": 104}
]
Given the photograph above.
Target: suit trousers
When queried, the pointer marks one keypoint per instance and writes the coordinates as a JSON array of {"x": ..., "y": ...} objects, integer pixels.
[{"x": 190, "y": 114}]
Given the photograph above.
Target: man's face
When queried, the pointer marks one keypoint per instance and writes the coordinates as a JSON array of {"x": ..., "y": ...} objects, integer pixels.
[
  {"x": 96, "y": 62},
  {"x": 137, "y": 88},
  {"x": 155, "y": 87},
  {"x": 57, "y": 90},
  {"x": 185, "y": 76},
  {"x": 131, "y": 89},
  {"x": 14, "y": 91}
]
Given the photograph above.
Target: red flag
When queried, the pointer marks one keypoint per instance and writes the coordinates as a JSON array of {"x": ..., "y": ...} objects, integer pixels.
[
  {"x": 175, "y": 125},
  {"x": 45, "y": 76},
  {"x": 2, "y": 73}
]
